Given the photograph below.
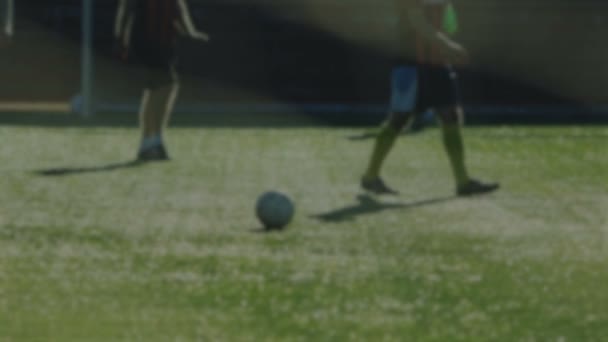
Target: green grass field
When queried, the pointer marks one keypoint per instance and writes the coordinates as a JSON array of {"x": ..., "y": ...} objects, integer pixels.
[{"x": 94, "y": 251}]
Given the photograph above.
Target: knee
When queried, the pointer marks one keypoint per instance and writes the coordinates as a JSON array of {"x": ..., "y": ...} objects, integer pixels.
[
  {"x": 164, "y": 88},
  {"x": 158, "y": 79}
]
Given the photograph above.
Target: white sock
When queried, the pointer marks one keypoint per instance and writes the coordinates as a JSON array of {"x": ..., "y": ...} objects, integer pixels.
[{"x": 150, "y": 142}]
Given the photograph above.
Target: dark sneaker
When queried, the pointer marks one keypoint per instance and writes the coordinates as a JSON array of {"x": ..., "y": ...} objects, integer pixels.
[
  {"x": 475, "y": 187},
  {"x": 377, "y": 186},
  {"x": 156, "y": 153}
]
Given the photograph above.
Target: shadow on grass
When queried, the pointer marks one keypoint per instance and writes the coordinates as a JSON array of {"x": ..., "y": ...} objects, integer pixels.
[
  {"x": 262, "y": 230},
  {"x": 363, "y": 136},
  {"x": 67, "y": 171},
  {"x": 369, "y": 205},
  {"x": 370, "y": 135}
]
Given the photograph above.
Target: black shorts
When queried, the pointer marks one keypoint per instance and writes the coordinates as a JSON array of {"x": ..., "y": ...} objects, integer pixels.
[
  {"x": 156, "y": 66},
  {"x": 151, "y": 55},
  {"x": 437, "y": 87}
]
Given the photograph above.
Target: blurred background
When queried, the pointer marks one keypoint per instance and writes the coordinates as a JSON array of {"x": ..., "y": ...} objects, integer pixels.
[{"x": 532, "y": 61}]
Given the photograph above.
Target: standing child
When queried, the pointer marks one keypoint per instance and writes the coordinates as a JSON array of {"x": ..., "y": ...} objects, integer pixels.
[{"x": 146, "y": 32}]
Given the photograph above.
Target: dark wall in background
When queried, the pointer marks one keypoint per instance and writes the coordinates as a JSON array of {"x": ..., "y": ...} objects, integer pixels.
[{"x": 524, "y": 52}]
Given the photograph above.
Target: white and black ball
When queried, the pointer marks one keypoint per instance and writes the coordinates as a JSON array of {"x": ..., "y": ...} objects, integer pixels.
[{"x": 274, "y": 209}]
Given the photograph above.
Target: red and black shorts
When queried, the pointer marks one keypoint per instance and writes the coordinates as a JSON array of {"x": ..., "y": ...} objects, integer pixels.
[{"x": 153, "y": 41}]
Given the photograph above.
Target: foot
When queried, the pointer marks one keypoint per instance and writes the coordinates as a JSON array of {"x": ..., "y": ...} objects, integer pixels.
[
  {"x": 377, "y": 186},
  {"x": 156, "y": 153},
  {"x": 475, "y": 187}
]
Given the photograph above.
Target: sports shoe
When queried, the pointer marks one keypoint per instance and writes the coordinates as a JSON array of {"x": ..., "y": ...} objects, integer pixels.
[
  {"x": 155, "y": 153},
  {"x": 377, "y": 186},
  {"x": 475, "y": 187}
]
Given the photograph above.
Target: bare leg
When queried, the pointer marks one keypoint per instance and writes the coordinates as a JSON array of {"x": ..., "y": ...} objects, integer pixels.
[
  {"x": 452, "y": 118},
  {"x": 156, "y": 108},
  {"x": 384, "y": 143},
  {"x": 160, "y": 106}
]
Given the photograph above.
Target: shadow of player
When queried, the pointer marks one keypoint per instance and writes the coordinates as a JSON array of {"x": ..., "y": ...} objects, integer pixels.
[
  {"x": 418, "y": 125},
  {"x": 67, "y": 171},
  {"x": 368, "y": 135},
  {"x": 369, "y": 205}
]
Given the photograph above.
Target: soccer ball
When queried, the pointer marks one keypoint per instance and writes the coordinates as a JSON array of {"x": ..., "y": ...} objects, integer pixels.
[{"x": 274, "y": 209}]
